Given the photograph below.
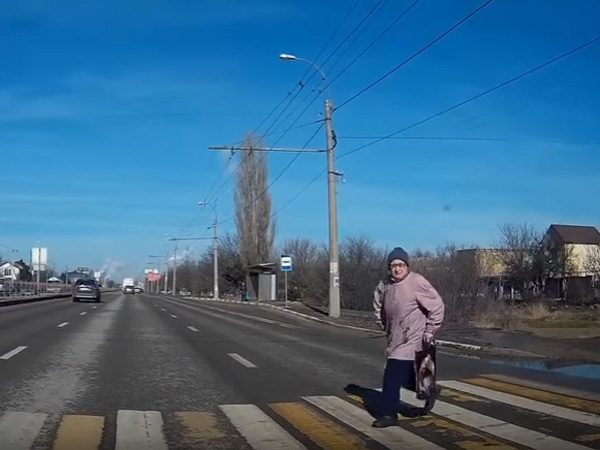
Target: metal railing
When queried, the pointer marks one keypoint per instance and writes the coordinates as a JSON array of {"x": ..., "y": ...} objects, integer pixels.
[{"x": 31, "y": 288}]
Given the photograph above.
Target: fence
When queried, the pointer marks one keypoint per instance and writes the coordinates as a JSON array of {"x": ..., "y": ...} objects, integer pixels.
[{"x": 28, "y": 288}]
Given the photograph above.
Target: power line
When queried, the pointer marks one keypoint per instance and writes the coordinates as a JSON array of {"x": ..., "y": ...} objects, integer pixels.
[
  {"x": 414, "y": 55},
  {"x": 430, "y": 138},
  {"x": 477, "y": 96},
  {"x": 318, "y": 91},
  {"x": 354, "y": 30},
  {"x": 300, "y": 192},
  {"x": 258, "y": 197},
  {"x": 373, "y": 42},
  {"x": 300, "y": 84},
  {"x": 282, "y": 136},
  {"x": 371, "y": 16}
]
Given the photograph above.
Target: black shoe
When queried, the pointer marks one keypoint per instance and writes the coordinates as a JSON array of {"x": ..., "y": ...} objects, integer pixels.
[{"x": 385, "y": 421}]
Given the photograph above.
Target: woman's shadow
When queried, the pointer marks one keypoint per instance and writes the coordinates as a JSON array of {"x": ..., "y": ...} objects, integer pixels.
[{"x": 372, "y": 401}]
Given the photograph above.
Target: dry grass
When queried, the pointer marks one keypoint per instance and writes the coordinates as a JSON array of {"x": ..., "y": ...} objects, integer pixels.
[
  {"x": 536, "y": 311},
  {"x": 503, "y": 319},
  {"x": 537, "y": 316}
]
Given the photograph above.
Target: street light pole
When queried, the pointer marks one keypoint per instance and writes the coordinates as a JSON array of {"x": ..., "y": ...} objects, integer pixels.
[
  {"x": 157, "y": 283},
  {"x": 332, "y": 174},
  {"x": 175, "y": 255},
  {"x": 175, "y": 269},
  {"x": 215, "y": 250}
]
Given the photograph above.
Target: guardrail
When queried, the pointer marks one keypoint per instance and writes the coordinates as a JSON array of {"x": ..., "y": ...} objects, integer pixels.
[{"x": 31, "y": 288}]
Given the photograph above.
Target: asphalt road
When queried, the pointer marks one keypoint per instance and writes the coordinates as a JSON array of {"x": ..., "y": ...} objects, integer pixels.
[{"x": 156, "y": 372}]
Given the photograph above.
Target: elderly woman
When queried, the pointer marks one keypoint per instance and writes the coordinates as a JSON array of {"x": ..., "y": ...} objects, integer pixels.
[{"x": 411, "y": 312}]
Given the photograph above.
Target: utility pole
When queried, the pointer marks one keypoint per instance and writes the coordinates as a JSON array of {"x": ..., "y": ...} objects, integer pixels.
[
  {"x": 175, "y": 270},
  {"x": 216, "y": 261},
  {"x": 334, "y": 266},
  {"x": 157, "y": 282},
  {"x": 175, "y": 255},
  {"x": 332, "y": 174},
  {"x": 166, "y": 274},
  {"x": 215, "y": 249}
]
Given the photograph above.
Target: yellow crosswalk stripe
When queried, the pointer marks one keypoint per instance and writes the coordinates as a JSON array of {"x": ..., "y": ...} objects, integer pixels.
[
  {"x": 319, "y": 429},
  {"x": 79, "y": 433},
  {"x": 461, "y": 436},
  {"x": 537, "y": 394},
  {"x": 202, "y": 428},
  {"x": 527, "y": 382}
]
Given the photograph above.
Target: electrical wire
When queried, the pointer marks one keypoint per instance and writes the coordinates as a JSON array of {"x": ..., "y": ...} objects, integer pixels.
[
  {"x": 414, "y": 55},
  {"x": 477, "y": 96}
]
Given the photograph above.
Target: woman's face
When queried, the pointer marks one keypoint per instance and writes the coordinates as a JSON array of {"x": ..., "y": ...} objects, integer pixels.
[{"x": 398, "y": 269}]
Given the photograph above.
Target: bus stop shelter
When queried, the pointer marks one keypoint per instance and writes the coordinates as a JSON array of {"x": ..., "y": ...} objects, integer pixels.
[{"x": 261, "y": 282}]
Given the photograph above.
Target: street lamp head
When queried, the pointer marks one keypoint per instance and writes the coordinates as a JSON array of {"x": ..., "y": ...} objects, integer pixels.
[
  {"x": 287, "y": 57},
  {"x": 202, "y": 203}
]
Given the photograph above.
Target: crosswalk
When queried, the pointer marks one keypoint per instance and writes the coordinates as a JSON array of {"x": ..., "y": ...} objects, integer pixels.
[{"x": 488, "y": 411}]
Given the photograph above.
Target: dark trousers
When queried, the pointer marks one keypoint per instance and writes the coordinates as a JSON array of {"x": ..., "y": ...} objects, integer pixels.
[{"x": 398, "y": 373}]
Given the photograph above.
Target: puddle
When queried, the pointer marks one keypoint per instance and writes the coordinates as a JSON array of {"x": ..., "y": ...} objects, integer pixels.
[{"x": 576, "y": 370}]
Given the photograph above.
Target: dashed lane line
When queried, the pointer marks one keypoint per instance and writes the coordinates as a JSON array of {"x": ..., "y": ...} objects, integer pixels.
[{"x": 13, "y": 352}]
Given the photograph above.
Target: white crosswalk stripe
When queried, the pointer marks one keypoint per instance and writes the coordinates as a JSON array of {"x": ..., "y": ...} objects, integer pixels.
[
  {"x": 360, "y": 420},
  {"x": 276, "y": 426},
  {"x": 260, "y": 430},
  {"x": 140, "y": 430},
  {"x": 520, "y": 402},
  {"x": 529, "y": 438},
  {"x": 18, "y": 430}
]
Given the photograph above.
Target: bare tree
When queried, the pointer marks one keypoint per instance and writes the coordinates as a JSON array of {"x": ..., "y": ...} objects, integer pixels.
[
  {"x": 231, "y": 269},
  {"x": 454, "y": 274},
  {"x": 254, "y": 221},
  {"x": 592, "y": 266},
  {"x": 363, "y": 266},
  {"x": 308, "y": 282},
  {"x": 520, "y": 246},
  {"x": 554, "y": 263}
]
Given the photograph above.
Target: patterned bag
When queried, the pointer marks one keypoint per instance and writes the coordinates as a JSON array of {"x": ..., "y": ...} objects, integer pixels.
[{"x": 425, "y": 375}]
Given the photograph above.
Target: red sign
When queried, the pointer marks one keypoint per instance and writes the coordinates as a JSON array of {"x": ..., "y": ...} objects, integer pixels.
[{"x": 152, "y": 276}]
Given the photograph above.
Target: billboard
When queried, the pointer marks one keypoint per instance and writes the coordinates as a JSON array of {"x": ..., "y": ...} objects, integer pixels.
[
  {"x": 153, "y": 276},
  {"x": 39, "y": 258}
]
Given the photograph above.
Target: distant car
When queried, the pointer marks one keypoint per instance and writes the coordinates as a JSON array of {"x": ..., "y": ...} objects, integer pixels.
[
  {"x": 86, "y": 289},
  {"x": 138, "y": 289},
  {"x": 129, "y": 290}
]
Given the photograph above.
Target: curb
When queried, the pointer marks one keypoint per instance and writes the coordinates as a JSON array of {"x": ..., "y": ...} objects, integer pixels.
[{"x": 442, "y": 343}]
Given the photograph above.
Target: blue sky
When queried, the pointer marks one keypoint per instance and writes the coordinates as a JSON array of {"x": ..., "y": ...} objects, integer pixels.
[{"x": 107, "y": 110}]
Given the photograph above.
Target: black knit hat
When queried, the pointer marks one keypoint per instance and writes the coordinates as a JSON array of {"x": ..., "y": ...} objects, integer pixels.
[{"x": 398, "y": 253}]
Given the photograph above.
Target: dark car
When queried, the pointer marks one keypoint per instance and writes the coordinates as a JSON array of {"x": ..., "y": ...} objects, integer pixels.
[{"x": 86, "y": 289}]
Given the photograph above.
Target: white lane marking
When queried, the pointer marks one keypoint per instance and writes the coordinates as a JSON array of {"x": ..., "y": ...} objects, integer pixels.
[
  {"x": 64, "y": 324},
  {"x": 13, "y": 352},
  {"x": 360, "y": 420},
  {"x": 257, "y": 318},
  {"x": 173, "y": 316},
  {"x": 458, "y": 355},
  {"x": 163, "y": 309},
  {"x": 258, "y": 429},
  {"x": 522, "y": 402},
  {"x": 94, "y": 307},
  {"x": 499, "y": 428},
  {"x": 20, "y": 429},
  {"x": 192, "y": 328},
  {"x": 83, "y": 313},
  {"x": 243, "y": 361},
  {"x": 140, "y": 430}
]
